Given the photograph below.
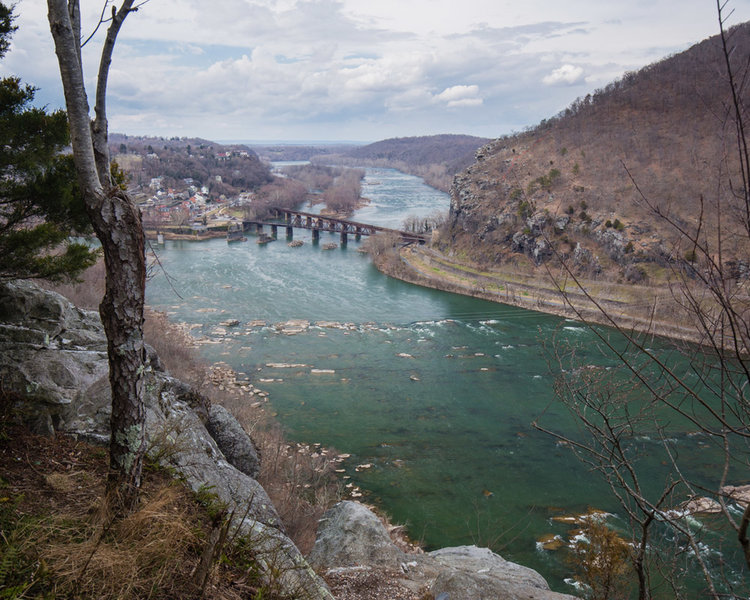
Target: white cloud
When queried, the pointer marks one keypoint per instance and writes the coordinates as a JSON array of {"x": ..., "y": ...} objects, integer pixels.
[
  {"x": 358, "y": 69},
  {"x": 460, "y": 96},
  {"x": 566, "y": 75}
]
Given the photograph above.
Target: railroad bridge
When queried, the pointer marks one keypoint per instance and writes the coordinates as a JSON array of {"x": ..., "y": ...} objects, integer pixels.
[{"x": 317, "y": 223}]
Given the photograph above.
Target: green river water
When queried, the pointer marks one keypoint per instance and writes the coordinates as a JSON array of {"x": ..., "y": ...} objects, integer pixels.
[{"x": 437, "y": 392}]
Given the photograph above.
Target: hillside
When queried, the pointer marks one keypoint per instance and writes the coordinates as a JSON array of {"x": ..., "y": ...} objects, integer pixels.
[
  {"x": 435, "y": 158},
  {"x": 177, "y": 159},
  {"x": 586, "y": 183}
]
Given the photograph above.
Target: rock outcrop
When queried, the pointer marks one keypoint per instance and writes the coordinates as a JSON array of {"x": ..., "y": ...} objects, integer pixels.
[
  {"x": 53, "y": 361},
  {"x": 351, "y": 537},
  {"x": 232, "y": 440}
]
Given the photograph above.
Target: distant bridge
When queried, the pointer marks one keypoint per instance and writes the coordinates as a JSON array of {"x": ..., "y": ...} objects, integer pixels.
[{"x": 317, "y": 223}]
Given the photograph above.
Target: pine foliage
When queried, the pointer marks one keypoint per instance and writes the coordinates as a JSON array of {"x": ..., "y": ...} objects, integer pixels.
[{"x": 40, "y": 207}]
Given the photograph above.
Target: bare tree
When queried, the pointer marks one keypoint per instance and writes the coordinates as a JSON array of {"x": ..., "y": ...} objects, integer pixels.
[
  {"x": 615, "y": 408},
  {"x": 117, "y": 223}
]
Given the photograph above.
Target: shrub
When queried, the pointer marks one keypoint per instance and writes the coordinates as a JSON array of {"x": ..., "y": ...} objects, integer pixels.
[
  {"x": 525, "y": 209},
  {"x": 635, "y": 274},
  {"x": 601, "y": 560}
]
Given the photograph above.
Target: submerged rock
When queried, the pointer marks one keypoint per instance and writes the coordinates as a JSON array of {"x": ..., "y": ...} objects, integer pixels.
[{"x": 738, "y": 493}]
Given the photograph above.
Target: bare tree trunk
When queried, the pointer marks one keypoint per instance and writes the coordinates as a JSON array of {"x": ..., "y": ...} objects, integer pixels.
[{"x": 117, "y": 223}]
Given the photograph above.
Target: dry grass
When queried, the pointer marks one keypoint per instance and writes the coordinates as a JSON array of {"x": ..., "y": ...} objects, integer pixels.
[
  {"x": 155, "y": 548},
  {"x": 176, "y": 350},
  {"x": 301, "y": 481},
  {"x": 56, "y": 542}
]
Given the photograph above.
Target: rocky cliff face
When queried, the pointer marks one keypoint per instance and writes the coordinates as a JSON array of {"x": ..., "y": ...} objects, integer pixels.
[
  {"x": 614, "y": 182},
  {"x": 53, "y": 361}
]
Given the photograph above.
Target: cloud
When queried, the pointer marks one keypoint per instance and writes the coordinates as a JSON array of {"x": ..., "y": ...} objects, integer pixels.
[
  {"x": 566, "y": 75},
  {"x": 460, "y": 96},
  {"x": 357, "y": 69}
]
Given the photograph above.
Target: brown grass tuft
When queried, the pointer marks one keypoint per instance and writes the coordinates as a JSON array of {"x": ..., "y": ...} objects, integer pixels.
[
  {"x": 133, "y": 557},
  {"x": 57, "y": 542}
]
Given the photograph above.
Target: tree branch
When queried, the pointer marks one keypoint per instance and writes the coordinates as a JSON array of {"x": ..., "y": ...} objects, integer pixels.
[
  {"x": 100, "y": 127},
  {"x": 63, "y": 23}
]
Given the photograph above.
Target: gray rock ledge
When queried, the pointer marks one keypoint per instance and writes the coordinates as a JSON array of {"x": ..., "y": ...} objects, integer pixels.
[{"x": 351, "y": 537}]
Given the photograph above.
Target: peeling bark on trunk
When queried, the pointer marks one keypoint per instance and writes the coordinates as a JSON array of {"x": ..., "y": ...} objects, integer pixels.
[
  {"x": 117, "y": 223},
  {"x": 121, "y": 234}
]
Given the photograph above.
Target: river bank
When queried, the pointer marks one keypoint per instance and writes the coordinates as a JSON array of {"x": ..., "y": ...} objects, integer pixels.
[
  {"x": 153, "y": 234},
  {"x": 647, "y": 309}
]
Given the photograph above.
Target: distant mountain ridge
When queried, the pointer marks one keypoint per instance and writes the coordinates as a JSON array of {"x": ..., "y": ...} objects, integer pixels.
[
  {"x": 423, "y": 150},
  {"x": 436, "y": 158},
  {"x": 578, "y": 180}
]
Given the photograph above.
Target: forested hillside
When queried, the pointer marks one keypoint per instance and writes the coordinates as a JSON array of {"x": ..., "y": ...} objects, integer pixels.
[
  {"x": 587, "y": 182},
  {"x": 435, "y": 158},
  {"x": 202, "y": 161}
]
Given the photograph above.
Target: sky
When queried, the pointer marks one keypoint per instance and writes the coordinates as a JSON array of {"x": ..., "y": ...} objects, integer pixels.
[{"x": 359, "y": 70}]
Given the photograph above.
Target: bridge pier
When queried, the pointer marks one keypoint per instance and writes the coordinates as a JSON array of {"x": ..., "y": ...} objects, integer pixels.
[
  {"x": 316, "y": 235},
  {"x": 258, "y": 228},
  {"x": 274, "y": 230},
  {"x": 290, "y": 232},
  {"x": 343, "y": 238}
]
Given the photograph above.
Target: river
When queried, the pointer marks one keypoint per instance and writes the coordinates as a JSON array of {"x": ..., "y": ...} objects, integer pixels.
[{"x": 433, "y": 394}]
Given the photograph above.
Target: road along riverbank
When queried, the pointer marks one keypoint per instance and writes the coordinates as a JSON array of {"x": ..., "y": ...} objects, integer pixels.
[{"x": 651, "y": 309}]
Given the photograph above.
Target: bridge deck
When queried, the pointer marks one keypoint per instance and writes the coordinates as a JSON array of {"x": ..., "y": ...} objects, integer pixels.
[{"x": 317, "y": 222}]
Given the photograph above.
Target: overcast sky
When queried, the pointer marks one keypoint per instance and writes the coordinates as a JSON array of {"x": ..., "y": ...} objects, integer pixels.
[{"x": 361, "y": 70}]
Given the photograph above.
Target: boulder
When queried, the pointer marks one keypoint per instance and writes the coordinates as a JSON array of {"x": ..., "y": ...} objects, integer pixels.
[
  {"x": 739, "y": 493},
  {"x": 469, "y": 572},
  {"x": 53, "y": 361},
  {"x": 51, "y": 353},
  {"x": 233, "y": 441},
  {"x": 351, "y": 537},
  {"x": 701, "y": 505}
]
